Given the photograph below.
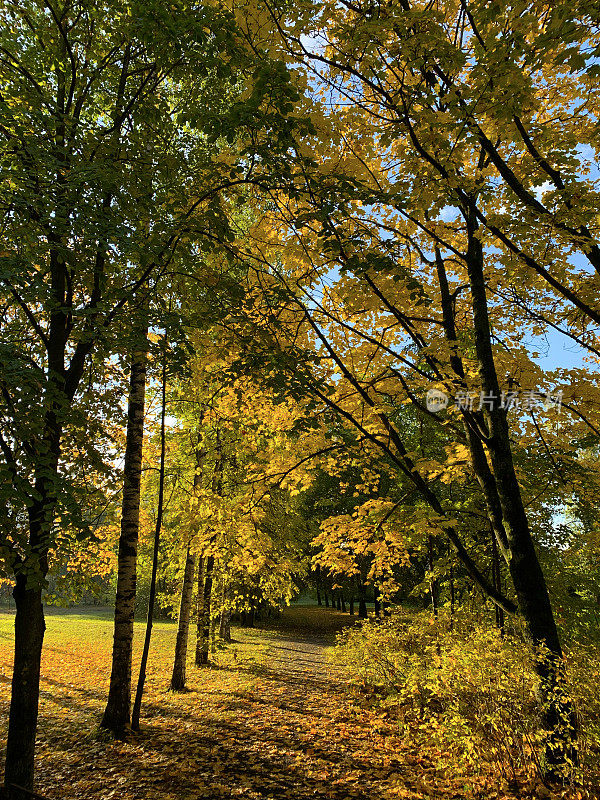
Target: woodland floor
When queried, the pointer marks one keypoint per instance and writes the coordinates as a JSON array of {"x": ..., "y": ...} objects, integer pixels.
[{"x": 272, "y": 718}]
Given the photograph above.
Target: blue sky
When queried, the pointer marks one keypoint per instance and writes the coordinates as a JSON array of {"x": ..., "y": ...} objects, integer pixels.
[{"x": 556, "y": 350}]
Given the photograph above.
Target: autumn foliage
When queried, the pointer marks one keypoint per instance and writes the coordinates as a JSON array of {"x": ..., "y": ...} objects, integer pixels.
[{"x": 302, "y": 300}]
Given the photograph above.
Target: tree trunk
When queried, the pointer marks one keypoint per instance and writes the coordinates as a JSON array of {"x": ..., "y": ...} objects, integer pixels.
[
  {"x": 58, "y": 392},
  {"x": 343, "y": 600},
  {"x": 433, "y": 584},
  {"x": 187, "y": 589},
  {"x": 199, "y": 611},
  {"x": 376, "y": 602},
  {"x": 213, "y": 636},
  {"x": 452, "y": 597},
  {"x": 22, "y": 723},
  {"x": 183, "y": 626},
  {"x": 496, "y": 575},
  {"x": 362, "y": 600},
  {"x": 204, "y": 621},
  {"x": 351, "y": 605},
  {"x": 225, "y": 618},
  {"x": 326, "y": 598},
  {"x": 137, "y": 705},
  {"x": 318, "y": 584},
  {"x": 523, "y": 564},
  {"x": 118, "y": 706},
  {"x": 225, "y": 625}
]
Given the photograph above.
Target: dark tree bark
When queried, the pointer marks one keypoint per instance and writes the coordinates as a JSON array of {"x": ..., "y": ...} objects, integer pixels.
[
  {"x": 200, "y": 610},
  {"x": 433, "y": 584},
  {"x": 213, "y": 636},
  {"x": 117, "y": 714},
  {"x": 29, "y": 637},
  {"x": 496, "y": 574},
  {"x": 318, "y": 584},
  {"x": 376, "y": 602},
  {"x": 523, "y": 564},
  {"x": 225, "y": 615},
  {"x": 452, "y": 599},
  {"x": 343, "y": 600},
  {"x": 506, "y": 511},
  {"x": 67, "y": 350},
  {"x": 204, "y": 622},
  {"x": 362, "y": 600},
  {"x": 137, "y": 704},
  {"x": 187, "y": 589},
  {"x": 183, "y": 626},
  {"x": 61, "y": 385},
  {"x": 351, "y": 605}
]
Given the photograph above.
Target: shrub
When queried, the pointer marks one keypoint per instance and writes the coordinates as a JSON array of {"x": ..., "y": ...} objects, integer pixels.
[{"x": 470, "y": 687}]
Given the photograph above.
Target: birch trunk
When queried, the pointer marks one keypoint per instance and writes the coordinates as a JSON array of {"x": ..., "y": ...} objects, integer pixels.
[{"x": 117, "y": 714}]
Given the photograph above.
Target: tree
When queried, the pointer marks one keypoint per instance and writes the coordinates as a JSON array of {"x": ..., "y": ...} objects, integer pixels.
[
  {"x": 117, "y": 713},
  {"x": 396, "y": 298},
  {"x": 83, "y": 103},
  {"x": 376, "y": 375},
  {"x": 135, "y": 714},
  {"x": 187, "y": 588}
]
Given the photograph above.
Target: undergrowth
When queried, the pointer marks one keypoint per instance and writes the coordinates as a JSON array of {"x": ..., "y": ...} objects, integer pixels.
[{"x": 474, "y": 691}]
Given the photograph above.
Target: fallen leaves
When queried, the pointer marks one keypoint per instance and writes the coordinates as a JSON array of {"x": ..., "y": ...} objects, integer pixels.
[{"x": 275, "y": 723}]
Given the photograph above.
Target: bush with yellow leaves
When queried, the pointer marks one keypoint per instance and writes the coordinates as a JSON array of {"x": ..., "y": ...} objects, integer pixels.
[{"x": 470, "y": 690}]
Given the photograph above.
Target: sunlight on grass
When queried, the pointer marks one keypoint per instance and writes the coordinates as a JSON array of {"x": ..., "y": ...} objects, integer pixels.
[{"x": 74, "y": 685}]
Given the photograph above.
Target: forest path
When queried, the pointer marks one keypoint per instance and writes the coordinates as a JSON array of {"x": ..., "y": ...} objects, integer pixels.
[{"x": 296, "y": 733}]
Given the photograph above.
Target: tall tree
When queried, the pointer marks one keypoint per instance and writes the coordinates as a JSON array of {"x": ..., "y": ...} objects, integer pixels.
[
  {"x": 397, "y": 291},
  {"x": 454, "y": 161},
  {"x": 198, "y": 653},
  {"x": 80, "y": 103},
  {"x": 187, "y": 589},
  {"x": 204, "y": 620},
  {"x": 117, "y": 714},
  {"x": 183, "y": 623},
  {"x": 160, "y": 507}
]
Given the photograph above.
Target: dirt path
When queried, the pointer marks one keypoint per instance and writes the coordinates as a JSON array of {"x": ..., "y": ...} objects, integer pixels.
[{"x": 296, "y": 735}]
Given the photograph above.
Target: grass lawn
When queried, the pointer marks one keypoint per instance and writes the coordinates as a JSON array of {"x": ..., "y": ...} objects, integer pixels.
[{"x": 75, "y": 676}]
